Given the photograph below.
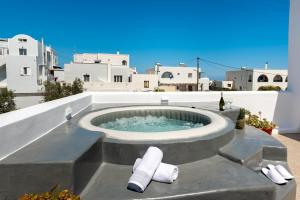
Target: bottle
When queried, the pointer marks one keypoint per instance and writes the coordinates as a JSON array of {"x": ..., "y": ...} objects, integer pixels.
[{"x": 221, "y": 103}]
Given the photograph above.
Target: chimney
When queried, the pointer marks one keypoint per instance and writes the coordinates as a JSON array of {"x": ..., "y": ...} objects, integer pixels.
[{"x": 266, "y": 65}]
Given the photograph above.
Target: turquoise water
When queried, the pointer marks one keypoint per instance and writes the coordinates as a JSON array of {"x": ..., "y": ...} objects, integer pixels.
[{"x": 149, "y": 124}]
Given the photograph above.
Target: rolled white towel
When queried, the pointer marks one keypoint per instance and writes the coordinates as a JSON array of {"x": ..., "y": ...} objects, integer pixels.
[
  {"x": 143, "y": 174},
  {"x": 165, "y": 173}
]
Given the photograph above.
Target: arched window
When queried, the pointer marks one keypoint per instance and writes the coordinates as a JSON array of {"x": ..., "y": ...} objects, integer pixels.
[
  {"x": 167, "y": 75},
  {"x": 286, "y": 79},
  {"x": 277, "y": 78},
  {"x": 124, "y": 62},
  {"x": 262, "y": 78}
]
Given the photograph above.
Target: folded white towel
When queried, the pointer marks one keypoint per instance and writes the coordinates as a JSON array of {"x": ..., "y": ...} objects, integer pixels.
[
  {"x": 143, "y": 174},
  {"x": 274, "y": 175},
  {"x": 165, "y": 173},
  {"x": 282, "y": 171}
]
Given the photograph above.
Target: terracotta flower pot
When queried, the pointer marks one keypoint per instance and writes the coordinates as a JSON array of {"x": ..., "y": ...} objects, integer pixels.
[{"x": 268, "y": 130}]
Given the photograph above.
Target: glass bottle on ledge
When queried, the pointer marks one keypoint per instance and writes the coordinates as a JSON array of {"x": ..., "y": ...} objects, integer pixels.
[{"x": 221, "y": 103}]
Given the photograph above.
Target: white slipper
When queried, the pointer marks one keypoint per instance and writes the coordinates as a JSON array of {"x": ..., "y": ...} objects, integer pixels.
[
  {"x": 274, "y": 176},
  {"x": 282, "y": 171}
]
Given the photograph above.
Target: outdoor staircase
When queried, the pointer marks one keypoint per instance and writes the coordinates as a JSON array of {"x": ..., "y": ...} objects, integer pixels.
[{"x": 251, "y": 146}]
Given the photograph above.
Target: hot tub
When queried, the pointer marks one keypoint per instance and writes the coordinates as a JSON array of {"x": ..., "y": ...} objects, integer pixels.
[
  {"x": 197, "y": 133},
  {"x": 195, "y": 122}
]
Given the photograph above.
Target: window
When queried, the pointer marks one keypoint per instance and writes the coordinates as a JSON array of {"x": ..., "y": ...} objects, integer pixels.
[
  {"x": 124, "y": 62},
  {"x": 250, "y": 78},
  {"x": 86, "y": 78},
  {"x": 146, "y": 84},
  {"x": 286, "y": 79},
  {"x": 167, "y": 75},
  {"x": 22, "y": 40},
  {"x": 262, "y": 78},
  {"x": 228, "y": 85},
  {"x": 25, "y": 71},
  {"x": 178, "y": 74},
  {"x": 97, "y": 61},
  {"x": 190, "y": 75},
  {"x": 118, "y": 79},
  {"x": 1, "y": 52},
  {"x": 277, "y": 78},
  {"x": 22, "y": 52}
]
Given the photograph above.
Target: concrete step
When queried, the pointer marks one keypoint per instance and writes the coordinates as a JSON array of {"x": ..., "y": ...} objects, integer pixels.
[{"x": 250, "y": 146}]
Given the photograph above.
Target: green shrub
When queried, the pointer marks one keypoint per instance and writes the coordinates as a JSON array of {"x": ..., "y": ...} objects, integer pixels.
[
  {"x": 77, "y": 86},
  {"x": 158, "y": 90},
  {"x": 269, "y": 88},
  {"x": 54, "y": 90},
  {"x": 255, "y": 121},
  {"x": 7, "y": 102}
]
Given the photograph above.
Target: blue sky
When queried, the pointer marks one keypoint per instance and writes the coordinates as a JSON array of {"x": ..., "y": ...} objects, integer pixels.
[{"x": 232, "y": 32}]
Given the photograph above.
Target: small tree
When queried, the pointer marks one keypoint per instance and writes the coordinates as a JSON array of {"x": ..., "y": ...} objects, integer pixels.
[
  {"x": 54, "y": 90},
  {"x": 77, "y": 86},
  {"x": 7, "y": 102},
  {"x": 67, "y": 90}
]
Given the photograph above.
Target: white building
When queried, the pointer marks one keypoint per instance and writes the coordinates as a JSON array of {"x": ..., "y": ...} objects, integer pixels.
[
  {"x": 144, "y": 82},
  {"x": 223, "y": 84},
  {"x": 252, "y": 79},
  {"x": 98, "y": 68},
  {"x": 25, "y": 63},
  {"x": 179, "y": 78}
]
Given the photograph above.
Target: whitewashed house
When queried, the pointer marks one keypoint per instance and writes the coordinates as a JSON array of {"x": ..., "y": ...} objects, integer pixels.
[
  {"x": 223, "y": 84},
  {"x": 251, "y": 79},
  {"x": 144, "y": 82},
  {"x": 25, "y": 63},
  {"x": 96, "y": 69},
  {"x": 176, "y": 78}
]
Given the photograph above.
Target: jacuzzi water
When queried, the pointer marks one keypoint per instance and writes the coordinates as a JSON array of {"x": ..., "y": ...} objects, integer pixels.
[{"x": 149, "y": 123}]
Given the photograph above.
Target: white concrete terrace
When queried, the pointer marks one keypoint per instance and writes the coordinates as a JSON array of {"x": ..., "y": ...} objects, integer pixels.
[{"x": 21, "y": 127}]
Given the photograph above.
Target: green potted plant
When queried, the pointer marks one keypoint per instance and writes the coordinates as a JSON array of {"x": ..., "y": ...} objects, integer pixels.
[
  {"x": 240, "y": 122},
  {"x": 264, "y": 125},
  {"x": 267, "y": 126}
]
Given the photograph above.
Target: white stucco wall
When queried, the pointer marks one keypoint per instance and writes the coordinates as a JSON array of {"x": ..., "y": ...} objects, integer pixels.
[
  {"x": 138, "y": 81},
  {"x": 34, "y": 60},
  {"x": 21, "y": 127},
  {"x": 180, "y": 75},
  {"x": 59, "y": 75},
  {"x": 204, "y": 83},
  {"x": 113, "y": 59},
  {"x": 292, "y": 108},
  {"x": 120, "y": 71},
  {"x": 22, "y": 83},
  {"x": 97, "y": 72}
]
